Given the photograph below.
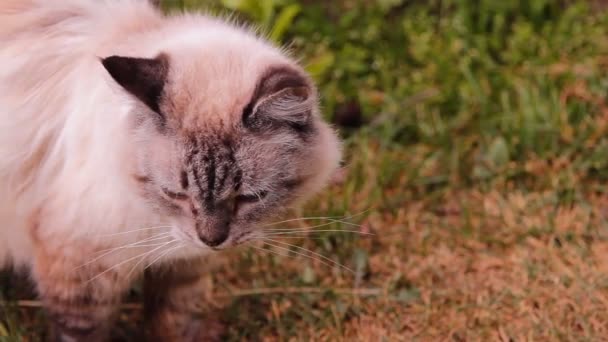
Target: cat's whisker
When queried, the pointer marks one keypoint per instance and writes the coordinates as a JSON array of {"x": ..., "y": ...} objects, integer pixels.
[
  {"x": 299, "y": 253},
  {"x": 148, "y": 239},
  {"x": 135, "y": 230},
  {"x": 311, "y": 257},
  {"x": 261, "y": 237},
  {"x": 171, "y": 249},
  {"x": 344, "y": 222},
  {"x": 137, "y": 243},
  {"x": 301, "y": 219},
  {"x": 141, "y": 255},
  {"x": 317, "y": 226},
  {"x": 308, "y": 232},
  {"x": 144, "y": 257},
  {"x": 313, "y": 253},
  {"x": 139, "y": 246},
  {"x": 258, "y": 194},
  {"x": 337, "y": 218},
  {"x": 313, "y": 227},
  {"x": 301, "y": 236},
  {"x": 131, "y": 245},
  {"x": 269, "y": 250}
]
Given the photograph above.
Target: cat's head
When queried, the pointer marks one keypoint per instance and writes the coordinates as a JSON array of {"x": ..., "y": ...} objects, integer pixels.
[{"x": 227, "y": 136}]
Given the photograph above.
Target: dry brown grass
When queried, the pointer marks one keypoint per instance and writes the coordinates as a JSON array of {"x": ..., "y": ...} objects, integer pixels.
[{"x": 503, "y": 266}]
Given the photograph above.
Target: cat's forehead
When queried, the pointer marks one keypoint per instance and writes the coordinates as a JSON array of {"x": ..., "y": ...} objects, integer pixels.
[{"x": 213, "y": 84}]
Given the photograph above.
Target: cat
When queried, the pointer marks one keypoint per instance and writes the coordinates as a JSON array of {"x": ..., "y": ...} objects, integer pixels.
[{"x": 132, "y": 139}]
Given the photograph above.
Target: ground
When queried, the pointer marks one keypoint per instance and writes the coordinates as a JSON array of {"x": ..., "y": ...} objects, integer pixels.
[{"x": 475, "y": 175}]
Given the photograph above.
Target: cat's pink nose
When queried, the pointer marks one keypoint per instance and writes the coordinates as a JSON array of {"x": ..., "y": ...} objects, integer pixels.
[
  {"x": 215, "y": 237},
  {"x": 214, "y": 228},
  {"x": 216, "y": 231}
]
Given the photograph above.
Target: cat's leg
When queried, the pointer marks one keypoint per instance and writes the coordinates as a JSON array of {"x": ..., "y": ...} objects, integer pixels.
[
  {"x": 174, "y": 304},
  {"x": 80, "y": 307}
]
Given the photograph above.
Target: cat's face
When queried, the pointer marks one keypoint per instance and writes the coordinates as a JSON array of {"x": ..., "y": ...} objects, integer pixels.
[{"x": 225, "y": 146}]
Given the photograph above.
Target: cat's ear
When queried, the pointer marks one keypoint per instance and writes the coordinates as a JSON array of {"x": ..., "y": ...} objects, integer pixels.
[
  {"x": 283, "y": 95},
  {"x": 144, "y": 78}
]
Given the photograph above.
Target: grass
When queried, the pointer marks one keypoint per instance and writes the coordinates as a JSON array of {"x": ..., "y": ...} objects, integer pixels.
[{"x": 477, "y": 150}]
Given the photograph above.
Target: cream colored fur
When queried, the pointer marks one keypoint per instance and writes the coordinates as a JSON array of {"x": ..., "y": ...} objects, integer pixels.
[{"x": 66, "y": 161}]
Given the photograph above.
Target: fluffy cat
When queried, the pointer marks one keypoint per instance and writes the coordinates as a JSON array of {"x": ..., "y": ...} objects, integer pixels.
[{"x": 130, "y": 138}]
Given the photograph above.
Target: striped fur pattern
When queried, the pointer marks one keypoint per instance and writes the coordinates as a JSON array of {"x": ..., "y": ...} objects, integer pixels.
[{"x": 132, "y": 140}]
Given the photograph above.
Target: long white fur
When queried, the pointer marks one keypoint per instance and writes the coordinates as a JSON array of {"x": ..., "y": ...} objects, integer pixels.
[{"x": 65, "y": 151}]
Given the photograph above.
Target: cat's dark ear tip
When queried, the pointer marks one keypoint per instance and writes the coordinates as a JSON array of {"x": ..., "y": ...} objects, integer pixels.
[
  {"x": 110, "y": 62},
  {"x": 107, "y": 59},
  {"x": 144, "y": 78},
  {"x": 118, "y": 67}
]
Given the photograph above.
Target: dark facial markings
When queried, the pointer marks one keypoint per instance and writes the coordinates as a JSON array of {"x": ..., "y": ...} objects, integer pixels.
[
  {"x": 223, "y": 175},
  {"x": 225, "y": 171},
  {"x": 212, "y": 166},
  {"x": 210, "y": 170},
  {"x": 142, "y": 179},
  {"x": 183, "y": 179},
  {"x": 291, "y": 184},
  {"x": 251, "y": 198},
  {"x": 238, "y": 178},
  {"x": 178, "y": 196},
  {"x": 210, "y": 185},
  {"x": 197, "y": 179}
]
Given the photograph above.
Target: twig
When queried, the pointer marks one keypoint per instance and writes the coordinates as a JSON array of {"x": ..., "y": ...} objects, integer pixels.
[
  {"x": 295, "y": 290},
  {"x": 364, "y": 292},
  {"x": 38, "y": 304}
]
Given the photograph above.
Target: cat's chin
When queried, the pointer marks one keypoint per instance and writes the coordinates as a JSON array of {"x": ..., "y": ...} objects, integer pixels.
[{"x": 192, "y": 251}]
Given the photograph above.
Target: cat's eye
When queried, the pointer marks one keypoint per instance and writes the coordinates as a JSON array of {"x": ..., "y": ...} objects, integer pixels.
[
  {"x": 251, "y": 198},
  {"x": 179, "y": 196}
]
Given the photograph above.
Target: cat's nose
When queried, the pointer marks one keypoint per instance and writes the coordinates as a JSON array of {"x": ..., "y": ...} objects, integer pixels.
[
  {"x": 214, "y": 237},
  {"x": 217, "y": 227}
]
